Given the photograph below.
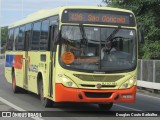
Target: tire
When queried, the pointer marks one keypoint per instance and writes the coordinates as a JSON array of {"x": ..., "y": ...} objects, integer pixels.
[
  {"x": 15, "y": 88},
  {"x": 106, "y": 106},
  {"x": 44, "y": 101}
]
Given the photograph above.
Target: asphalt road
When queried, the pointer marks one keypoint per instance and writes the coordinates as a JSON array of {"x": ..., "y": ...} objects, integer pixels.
[{"x": 31, "y": 102}]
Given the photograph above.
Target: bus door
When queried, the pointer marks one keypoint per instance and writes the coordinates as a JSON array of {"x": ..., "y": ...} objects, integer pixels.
[
  {"x": 19, "y": 55},
  {"x": 53, "y": 35},
  {"x": 26, "y": 59}
]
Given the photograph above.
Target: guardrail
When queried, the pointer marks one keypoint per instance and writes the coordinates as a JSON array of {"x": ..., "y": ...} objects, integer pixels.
[{"x": 149, "y": 74}]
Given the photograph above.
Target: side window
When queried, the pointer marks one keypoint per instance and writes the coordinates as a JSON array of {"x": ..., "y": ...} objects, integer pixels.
[
  {"x": 15, "y": 45},
  {"x": 36, "y": 36},
  {"x": 21, "y": 38},
  {"x": 44, "y": 35},
  {"x": 54, "y": 20},
  {"x": 10, "y": 40},
  {"x": 28, "y": 30}
]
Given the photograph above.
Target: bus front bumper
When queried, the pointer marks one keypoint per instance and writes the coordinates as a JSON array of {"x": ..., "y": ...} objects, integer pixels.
[{"x": 65, "y": 94}]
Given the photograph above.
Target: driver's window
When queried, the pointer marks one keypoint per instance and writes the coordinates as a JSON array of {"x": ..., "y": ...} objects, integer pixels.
[
  {"x": 89, "y": 34},
  {"x": 67, "y": 33},
  {"x": 76, "y": 34}
]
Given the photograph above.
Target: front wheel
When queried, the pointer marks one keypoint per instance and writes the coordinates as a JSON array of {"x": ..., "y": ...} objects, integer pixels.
[
  {"x": 106, "y": 106},
  {"x": 45, "y": 101}
]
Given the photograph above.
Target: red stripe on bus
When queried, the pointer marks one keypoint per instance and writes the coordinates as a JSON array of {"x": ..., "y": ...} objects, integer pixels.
[{"x": 18, "y": 61}]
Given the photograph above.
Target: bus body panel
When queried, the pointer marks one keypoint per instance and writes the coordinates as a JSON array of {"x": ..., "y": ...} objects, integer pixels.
[
  {"x": 36, "y": 66},
  {"x": 9, "y": 57},
  {"x": 15, "y": 60}
]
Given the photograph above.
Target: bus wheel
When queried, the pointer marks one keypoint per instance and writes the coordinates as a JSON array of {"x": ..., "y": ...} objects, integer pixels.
[
  {"x": 14, "y": 87},
  {"x": 45, "y": 102},
  {"x": 106, "y": 106}
]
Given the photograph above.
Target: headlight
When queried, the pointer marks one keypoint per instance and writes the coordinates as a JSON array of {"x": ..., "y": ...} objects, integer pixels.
[
  {"x": 68, "y": 83},
  {"x": 129, "y": 83}
]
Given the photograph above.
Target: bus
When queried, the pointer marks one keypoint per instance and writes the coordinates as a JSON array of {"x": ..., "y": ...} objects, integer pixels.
[{"x": 74, "y": 54}]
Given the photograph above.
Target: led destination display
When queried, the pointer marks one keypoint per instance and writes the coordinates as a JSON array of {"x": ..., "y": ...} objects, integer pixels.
[
  {"x": 98, "y": 17},
  {"x": 93, "y": 17}
]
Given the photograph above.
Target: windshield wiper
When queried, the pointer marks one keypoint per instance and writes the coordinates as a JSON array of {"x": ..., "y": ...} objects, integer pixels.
[
  {"x": 109, "y": 38},
  {"x": 84, "y": 36}
]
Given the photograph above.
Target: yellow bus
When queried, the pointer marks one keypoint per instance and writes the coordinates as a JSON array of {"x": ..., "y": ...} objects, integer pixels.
[{"x": 74, "y": 54}]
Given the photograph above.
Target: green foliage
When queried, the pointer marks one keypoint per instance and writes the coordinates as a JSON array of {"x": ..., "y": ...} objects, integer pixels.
[
  {"x": 147, "y": 12},
  {"x": 4, "y": 33}
]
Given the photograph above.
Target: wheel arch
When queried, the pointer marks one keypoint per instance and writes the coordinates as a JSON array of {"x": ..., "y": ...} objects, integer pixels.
[{"x": 39, "y": 79}]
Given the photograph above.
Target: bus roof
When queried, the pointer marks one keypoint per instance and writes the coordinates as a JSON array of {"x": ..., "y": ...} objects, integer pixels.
[{"x": 57, "y": 11}]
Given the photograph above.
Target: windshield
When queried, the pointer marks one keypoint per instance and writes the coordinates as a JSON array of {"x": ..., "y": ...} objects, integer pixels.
[{"x": 91, "y": 48}]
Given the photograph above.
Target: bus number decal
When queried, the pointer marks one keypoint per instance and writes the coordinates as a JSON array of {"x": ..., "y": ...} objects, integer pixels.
[{"x": 109, "y": 83}]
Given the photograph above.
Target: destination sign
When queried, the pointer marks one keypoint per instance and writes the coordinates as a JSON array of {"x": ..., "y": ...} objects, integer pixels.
[{"x": 98, "y": 17}]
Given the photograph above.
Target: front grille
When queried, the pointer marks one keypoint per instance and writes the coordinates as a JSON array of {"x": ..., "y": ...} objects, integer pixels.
[
  {"x": 99, "y": 78},
  {"x": 97, "y": 95},
  {"x": 108, "y": 86},
  {"x": 103, "y": 86},
  {"x": 84, "y": 85}
]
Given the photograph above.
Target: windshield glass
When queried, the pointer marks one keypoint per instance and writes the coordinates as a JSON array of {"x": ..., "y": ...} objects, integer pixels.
[{"x": 88, "y": 48}]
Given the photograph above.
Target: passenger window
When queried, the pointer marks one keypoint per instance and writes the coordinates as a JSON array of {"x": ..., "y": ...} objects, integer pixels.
[
  {"x": 15, "y": 44},
  {"x": 36, "y": 36},
  {"x": 44, "y": 35},
  {"x": 10, "y": 39},
  {"x": 27, "y": 36},
  {"x": 54, "y": 20},
  {"x": 21, "y": 38}
]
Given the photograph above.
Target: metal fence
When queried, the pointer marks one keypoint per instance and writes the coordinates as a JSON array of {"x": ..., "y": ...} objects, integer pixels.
[
  {"x": 149, "y": 70},
  {"x": 149, "y": 74}
]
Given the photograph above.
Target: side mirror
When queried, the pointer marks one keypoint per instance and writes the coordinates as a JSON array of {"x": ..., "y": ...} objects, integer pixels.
[
  {"x": 141, "y": 36},
  {"x": 140, "y": 33}
]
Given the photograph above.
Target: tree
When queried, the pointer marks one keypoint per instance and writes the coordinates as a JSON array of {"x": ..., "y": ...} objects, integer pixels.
[
  {"x": 4, "y": 34},
  {"x": 148, "y": 13}
]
